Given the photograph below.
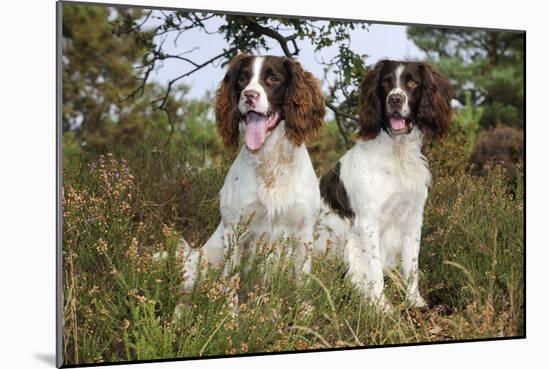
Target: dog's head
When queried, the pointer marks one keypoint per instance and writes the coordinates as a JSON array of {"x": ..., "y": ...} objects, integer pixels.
[
  {"x": 261, "y": 91},
  {"x": 398, "y": 97}
]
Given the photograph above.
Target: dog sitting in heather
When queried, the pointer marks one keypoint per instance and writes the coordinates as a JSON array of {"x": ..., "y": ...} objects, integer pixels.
[
  {"x": 374, "y": 196},
  {"x": 274, "y": 106}
]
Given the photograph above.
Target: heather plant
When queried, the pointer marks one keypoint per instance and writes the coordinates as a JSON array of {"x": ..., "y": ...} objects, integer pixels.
[
  {"x": 107, "y": 260},
  {"x": 501, "y": 145},
  {"x": 121, "y": 305}
]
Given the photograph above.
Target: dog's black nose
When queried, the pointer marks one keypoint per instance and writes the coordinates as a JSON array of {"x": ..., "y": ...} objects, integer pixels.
[{"x": 395, "y": 100}]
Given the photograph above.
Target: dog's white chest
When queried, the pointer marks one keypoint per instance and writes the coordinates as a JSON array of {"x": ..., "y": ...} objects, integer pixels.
[
  {"x": 270, "y": 182},
  {"x": 275, "y": 179},
  {"x": 387, "y": 178}
]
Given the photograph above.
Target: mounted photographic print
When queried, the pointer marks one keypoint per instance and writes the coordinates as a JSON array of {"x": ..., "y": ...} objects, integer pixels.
[{"x": 239, "y": 184}]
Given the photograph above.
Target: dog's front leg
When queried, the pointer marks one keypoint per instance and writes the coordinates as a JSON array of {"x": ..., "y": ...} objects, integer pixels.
[
  {"x": 302, "y": 261},
  {"x": 299, "y": 226},
  {"x": 409, "y": 261},
  {"x": 231, "y": 250},
  {"x": 365, "y": 263}
]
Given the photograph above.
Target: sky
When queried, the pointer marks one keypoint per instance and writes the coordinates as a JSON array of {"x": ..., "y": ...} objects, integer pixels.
[{"x": 379, "y": 41}]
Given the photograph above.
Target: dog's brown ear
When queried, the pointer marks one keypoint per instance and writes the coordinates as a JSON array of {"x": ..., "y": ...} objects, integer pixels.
[
  {"x": 226, "y": 104},
  {"x": 434, "y": 113},
  {"x": 304, "y": 105},
  {"x": 371, "y": 112}
]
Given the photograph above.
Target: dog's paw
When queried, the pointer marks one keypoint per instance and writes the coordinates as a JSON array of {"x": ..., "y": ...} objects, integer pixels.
[
  {"x": 306, "y": 267},
  {"x": 190, "y": 269},
  {"x": 161, "y": 255},
  {"x": 385, "y": 307},
  {"x": 416, "y": 301},
  {"x": 382, "y": 305}
]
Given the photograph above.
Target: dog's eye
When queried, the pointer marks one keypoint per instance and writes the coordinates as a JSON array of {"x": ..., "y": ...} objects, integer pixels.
[
  {"x": 411, "y": 84},
  {"x": 242, "y": 79},
  {"x": 272, "y": 79}
]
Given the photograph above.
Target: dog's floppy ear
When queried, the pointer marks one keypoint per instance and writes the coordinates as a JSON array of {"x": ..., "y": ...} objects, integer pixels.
[
  {"x": 371, "y": 112},
  {"x": 434, "y": 113},
  {"x": 304, "y": 105},
  {"x": 226, "y": 104}
]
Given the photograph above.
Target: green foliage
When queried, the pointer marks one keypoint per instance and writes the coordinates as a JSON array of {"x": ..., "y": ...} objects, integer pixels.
[
  {"x": 253, "y": 33},
  {"x": 107, "y": 260},
  {"x": 121, "y": 305},
  {"x": 505, "y": 96},
  {"x": 97, "y": 71},
  {"x": 176, "y": 183},
  {"x": 469, "y": 117},
  {"x": 327, "y": 148},
  {"x": 486, "y": 64},
  {"x": 473, "y": 244},
  {"x": 448, "y": 156}
]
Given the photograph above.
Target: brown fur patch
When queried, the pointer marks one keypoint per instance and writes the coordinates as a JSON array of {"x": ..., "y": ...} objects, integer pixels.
[
  {"x": 225, "y": 104},
  {"x": 304, "y": 106},
  {"x": 334, "y": 193}
]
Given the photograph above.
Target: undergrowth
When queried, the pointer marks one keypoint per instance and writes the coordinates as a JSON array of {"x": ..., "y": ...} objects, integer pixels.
[{"x": 119, "y": 304}]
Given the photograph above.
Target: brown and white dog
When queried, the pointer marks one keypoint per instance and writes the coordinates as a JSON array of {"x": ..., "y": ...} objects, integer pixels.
[
  {"x": 373, "y": 198},
  {"x": 276, "y": 106}
]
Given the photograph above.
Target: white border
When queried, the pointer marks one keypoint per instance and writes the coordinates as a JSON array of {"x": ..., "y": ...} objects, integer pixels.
[{"x": 27, "y": 184}]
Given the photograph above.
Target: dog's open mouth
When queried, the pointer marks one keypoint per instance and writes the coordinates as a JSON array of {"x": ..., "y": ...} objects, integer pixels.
[
  {"x": 400, "y": 125},
  {"x": 257, "y": 127}
]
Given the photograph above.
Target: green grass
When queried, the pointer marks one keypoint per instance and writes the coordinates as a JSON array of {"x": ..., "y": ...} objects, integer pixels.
[{"x": 119, "y": 304}]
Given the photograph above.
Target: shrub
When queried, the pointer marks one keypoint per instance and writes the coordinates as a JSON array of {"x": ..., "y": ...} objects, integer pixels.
[
  {"x": 327, "y": 148},
  {"x": 120, "y": 305},
  {"x": 447, "y": 157},
  {"x": 469, "y": 117},
  {"x": 501, "y": 145},
  {"x": 473, "y": 249},
  {"x": 176, "y": 183},
  {"x": 107, "y": 261}
]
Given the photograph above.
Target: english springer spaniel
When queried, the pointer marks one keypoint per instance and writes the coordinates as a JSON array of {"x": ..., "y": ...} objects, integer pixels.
[
  {"x": 373, "y": 198},
  {"x": 277, "y": 106}
]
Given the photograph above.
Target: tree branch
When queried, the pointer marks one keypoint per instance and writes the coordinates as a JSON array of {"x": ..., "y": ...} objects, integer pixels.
[
  {"x": 162, "y": 100},
  {"x": 341, "y": 130},
  {"x": 341, "y": 113},
  {"x": 282, "y": 40},
  {"x": 337, "y": 117}
]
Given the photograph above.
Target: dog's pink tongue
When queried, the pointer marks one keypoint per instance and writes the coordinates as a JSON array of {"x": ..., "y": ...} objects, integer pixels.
[
  {"x": 397, "y": 123},
  {"x": 256, "y": 130}
]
